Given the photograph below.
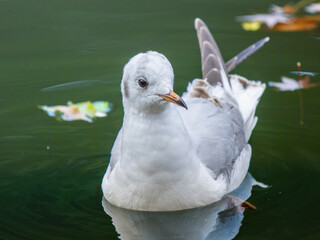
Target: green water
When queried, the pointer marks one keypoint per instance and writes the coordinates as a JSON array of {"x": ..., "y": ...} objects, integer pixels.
[{"x": 50, "y": 171}]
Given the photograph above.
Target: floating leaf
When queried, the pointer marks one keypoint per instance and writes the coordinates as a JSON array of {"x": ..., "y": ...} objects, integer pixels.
[
  {"x": 305, "y": 83},
  {"x": 287, "y": 84},
  {"x": 294, "y": 8},
  {"x": 100, "y": 114},
  {"x": 65, "y": 113},
  {"x": 86, "y": 108},
  {"x": 269, "y": 19},
  {"x": 284, "y": 18},
  {"x": 251, "y": 26},
  {"x": 299, "y": 24},
  {"x": 102, "y": 107},
  {"x": 304, "y": 73},
  {"x": 289, "y": 9},
  {"x": 85, "y": 111},
  {"x": 313, "y": 8}
]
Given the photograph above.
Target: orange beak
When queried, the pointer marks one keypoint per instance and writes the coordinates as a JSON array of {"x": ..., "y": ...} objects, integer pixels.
[{"x": 174, "y": 98}]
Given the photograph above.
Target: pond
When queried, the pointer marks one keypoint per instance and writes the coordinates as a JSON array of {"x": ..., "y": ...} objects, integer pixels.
[{"x": 57, "y": 51}]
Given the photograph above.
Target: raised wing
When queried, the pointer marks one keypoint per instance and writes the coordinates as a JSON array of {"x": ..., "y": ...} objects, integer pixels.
[
  {"x": 214, "y": 68},
  {"x": 211, "y": 60},
  {"x": 233, "y": 62}
]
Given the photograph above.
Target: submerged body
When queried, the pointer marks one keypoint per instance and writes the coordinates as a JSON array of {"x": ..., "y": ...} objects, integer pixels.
[{"x": 168, "y": 158}]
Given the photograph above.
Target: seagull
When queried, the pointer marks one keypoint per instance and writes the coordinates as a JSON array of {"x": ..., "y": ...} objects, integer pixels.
[
  {"x": 219, "y": 220},
  {"x": 174, "y": 153}
]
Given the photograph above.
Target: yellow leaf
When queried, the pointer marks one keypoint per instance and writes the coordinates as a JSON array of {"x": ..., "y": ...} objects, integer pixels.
[{"x": 251, "y": 26}]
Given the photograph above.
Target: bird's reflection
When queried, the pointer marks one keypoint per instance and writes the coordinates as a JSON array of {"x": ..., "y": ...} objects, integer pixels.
[{"x": 220, "y": 220}]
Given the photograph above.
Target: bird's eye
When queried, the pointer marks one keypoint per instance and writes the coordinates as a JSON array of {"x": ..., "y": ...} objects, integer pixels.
[{"x": 142, "y": 83}]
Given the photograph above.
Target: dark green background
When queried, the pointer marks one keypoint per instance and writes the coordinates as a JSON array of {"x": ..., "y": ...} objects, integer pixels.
[{"x": 50, "y": 171}]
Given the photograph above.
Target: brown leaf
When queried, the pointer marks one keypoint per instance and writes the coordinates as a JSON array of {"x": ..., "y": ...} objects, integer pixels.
[
  {"x": 299, "y": 24},
  {"x": 305, "y": 83},
  {"x": 288, "y": 9}
]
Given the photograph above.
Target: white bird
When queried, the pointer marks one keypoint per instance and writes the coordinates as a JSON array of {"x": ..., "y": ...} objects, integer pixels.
[
  {"x": 189, "y": 154},
  {"x": 220, "y": 220}
]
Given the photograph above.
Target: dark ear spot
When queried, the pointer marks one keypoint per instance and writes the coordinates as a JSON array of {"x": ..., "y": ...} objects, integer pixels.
[{"x": 125, "y": 88}]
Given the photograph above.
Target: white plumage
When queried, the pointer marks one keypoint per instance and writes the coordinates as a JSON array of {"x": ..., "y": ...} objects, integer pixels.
[
  {"x": 168, "y": 158},
  {"x": 220, "y": 220}
]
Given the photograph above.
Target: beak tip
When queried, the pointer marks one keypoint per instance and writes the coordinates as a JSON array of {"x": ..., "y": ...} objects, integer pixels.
[
  {"x": 183, "y": 104},
  {"x": 174, "y": 98}
]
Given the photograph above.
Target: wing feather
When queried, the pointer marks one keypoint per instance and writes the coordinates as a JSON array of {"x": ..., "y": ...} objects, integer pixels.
[
  {"x": 209, "y": 48},
  {"x": 211, "y": 57},
  {"x": 213, "y": 76},
  {"x": 235, "y": 61}
]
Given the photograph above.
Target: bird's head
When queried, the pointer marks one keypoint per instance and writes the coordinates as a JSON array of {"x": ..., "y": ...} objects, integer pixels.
[{"x": 147, "y": 83}]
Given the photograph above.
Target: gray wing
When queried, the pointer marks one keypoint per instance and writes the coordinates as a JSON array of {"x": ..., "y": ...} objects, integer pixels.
[
  {"x": 211, "y": 59},
  {"x": 217, "y": 126},
  {"x": 217, "y": 132},
  {"x": 213, "y": 65},
  {"x": 233, "y": 62}
]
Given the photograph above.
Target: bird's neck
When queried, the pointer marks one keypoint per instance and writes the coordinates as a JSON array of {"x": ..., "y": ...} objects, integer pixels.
[{"x": 156, "y": 143}]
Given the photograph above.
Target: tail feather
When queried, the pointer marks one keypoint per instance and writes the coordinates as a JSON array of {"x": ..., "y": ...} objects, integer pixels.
[{"x": 247, "y": 93}]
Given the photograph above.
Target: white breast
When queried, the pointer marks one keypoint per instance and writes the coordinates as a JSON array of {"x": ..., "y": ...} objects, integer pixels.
[{"x": 160, "y": 170}]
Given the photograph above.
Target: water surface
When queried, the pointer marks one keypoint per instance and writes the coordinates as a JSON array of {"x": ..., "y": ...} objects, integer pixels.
[{"x": 56, "y": 51}]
